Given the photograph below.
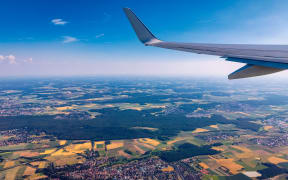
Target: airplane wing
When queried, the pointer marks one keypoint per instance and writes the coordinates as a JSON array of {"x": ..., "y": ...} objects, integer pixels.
[{"x": 260, "y": 59}]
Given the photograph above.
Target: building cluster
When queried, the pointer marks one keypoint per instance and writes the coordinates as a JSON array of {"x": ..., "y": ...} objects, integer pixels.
[
  {"x": 210, "y": 138},
  {"x": 150, "y": 168},
  {"x": 18, "y": 136},
  {"x": 275, "y": 141}
]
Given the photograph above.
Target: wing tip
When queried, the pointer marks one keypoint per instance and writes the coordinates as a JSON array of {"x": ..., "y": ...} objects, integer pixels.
[{"x": 142, "y": 32}]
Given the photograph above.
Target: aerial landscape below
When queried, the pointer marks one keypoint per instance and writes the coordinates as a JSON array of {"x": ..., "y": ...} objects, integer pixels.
[
  {"x": 145, "y": 128},
  {"x": 143, "y": 90}
]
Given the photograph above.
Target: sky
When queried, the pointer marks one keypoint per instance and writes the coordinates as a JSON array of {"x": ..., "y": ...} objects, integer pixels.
[{"x": 93, "y": 37}]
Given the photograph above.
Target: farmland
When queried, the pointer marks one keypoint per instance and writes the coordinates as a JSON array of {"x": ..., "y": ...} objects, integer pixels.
[{"x": 157, "y": 129}]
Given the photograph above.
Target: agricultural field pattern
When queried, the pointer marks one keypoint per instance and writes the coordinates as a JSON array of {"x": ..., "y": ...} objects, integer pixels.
[{"x": 141, "y": 128}]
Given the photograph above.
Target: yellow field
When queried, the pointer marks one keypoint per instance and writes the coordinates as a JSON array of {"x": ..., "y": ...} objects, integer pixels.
[
  {"x": 276, "y": 160},
  {"x": 11, "y": 173},
  {"x": 168, "y": 169},
  {"x": 203, "y": 165},
  {"x": 48, "y": 151},
  {"x": 73, "y": 149},
  {"x": 175, "y": 140},
  {"x": 149, "y": 141},
  {"x": 68, "y": 161},
  {"x": 61, "y": 152},
  {"x": 62, "y": 142},
  {"x": 217, "y": 148},
  {"x": 65, "y": 160},
  {"x": 199, "y": 130},
  {"x": 135, "y": 108},
  {"x": 214, "y": 126},
  {"x": 242, "y": 148},
  {"x": 115, "y": 145},
  {"x": 42, "y": 165},
  {"x": 37, "y": 176},
  {"x": 267, "y": 128},
  {"x": 83, "y": 146},
  {"x": 9, "y": 164},
  {"x": 89, "y": 105},
  {"x": 230, "y": 164},
  {"x": 64, "y": 108},
  {"x": 29, "y": 171}
]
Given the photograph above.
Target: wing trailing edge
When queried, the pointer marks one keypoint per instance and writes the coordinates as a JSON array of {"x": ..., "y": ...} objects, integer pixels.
[{"x": 251, "y": 70}]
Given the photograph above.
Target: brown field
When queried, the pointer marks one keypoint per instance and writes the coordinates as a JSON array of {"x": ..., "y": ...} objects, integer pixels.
[
  {"x": 146, "y": 128},
  {"x": 12, "y": 173},
  {"x": 138, "y": 149},
  {"x": 276, "y": 160},
  {"x": 115, "y": 145},
  {"x": 246, "y": 153},
  {"x": 267, "y": 128},
  {"x": 35, "y": 163},
  {"x": 29, "y": 171},
  {"x": 203, "y": 165},
  {"x": 168, "y": 169},
  {"x": 9, "y": 164},
  {"x": 148, "y": 146},
  {"x": 27, "y": 154},
  {"x": 122, "y": 153},
  {"x": 175, "y": 140},
  {"x": 214, "y": 126},
  {"x": 230, "y": 164},
  {"x": 199, "y": 130},
  {"x": 149, "y": 141},
  {"x": 217, "y": 148}
]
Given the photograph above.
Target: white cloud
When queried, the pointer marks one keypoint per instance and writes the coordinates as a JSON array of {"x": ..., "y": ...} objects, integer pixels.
[
  {"x": 99, "y": 35},
  {"x": 59, "y": 22},
  {"x": 2, "y": 58},
  {"x": 11, "y": 59},
  {"x": 30, "y": 60},
  {"x": 69, "y": 39}
]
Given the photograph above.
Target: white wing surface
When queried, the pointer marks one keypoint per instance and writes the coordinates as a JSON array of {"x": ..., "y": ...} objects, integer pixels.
[{"x": 260, "y": 59}]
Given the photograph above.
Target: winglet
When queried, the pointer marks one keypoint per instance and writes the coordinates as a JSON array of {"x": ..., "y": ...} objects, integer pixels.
[{"x": 143, "y": 33}]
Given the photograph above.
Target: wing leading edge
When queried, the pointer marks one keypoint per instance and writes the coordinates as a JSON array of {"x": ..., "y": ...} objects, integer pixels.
[{"x": 260, "y": 59}]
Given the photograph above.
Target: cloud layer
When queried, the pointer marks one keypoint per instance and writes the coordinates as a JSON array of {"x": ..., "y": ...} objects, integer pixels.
[{"x": 11, "y": 59}]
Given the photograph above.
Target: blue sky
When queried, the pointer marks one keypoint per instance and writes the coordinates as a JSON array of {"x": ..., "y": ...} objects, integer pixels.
[{"x": 73, "y": 37}]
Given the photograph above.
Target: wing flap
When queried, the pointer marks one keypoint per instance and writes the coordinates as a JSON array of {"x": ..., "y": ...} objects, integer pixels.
[{"x": 251, "y": 70}]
